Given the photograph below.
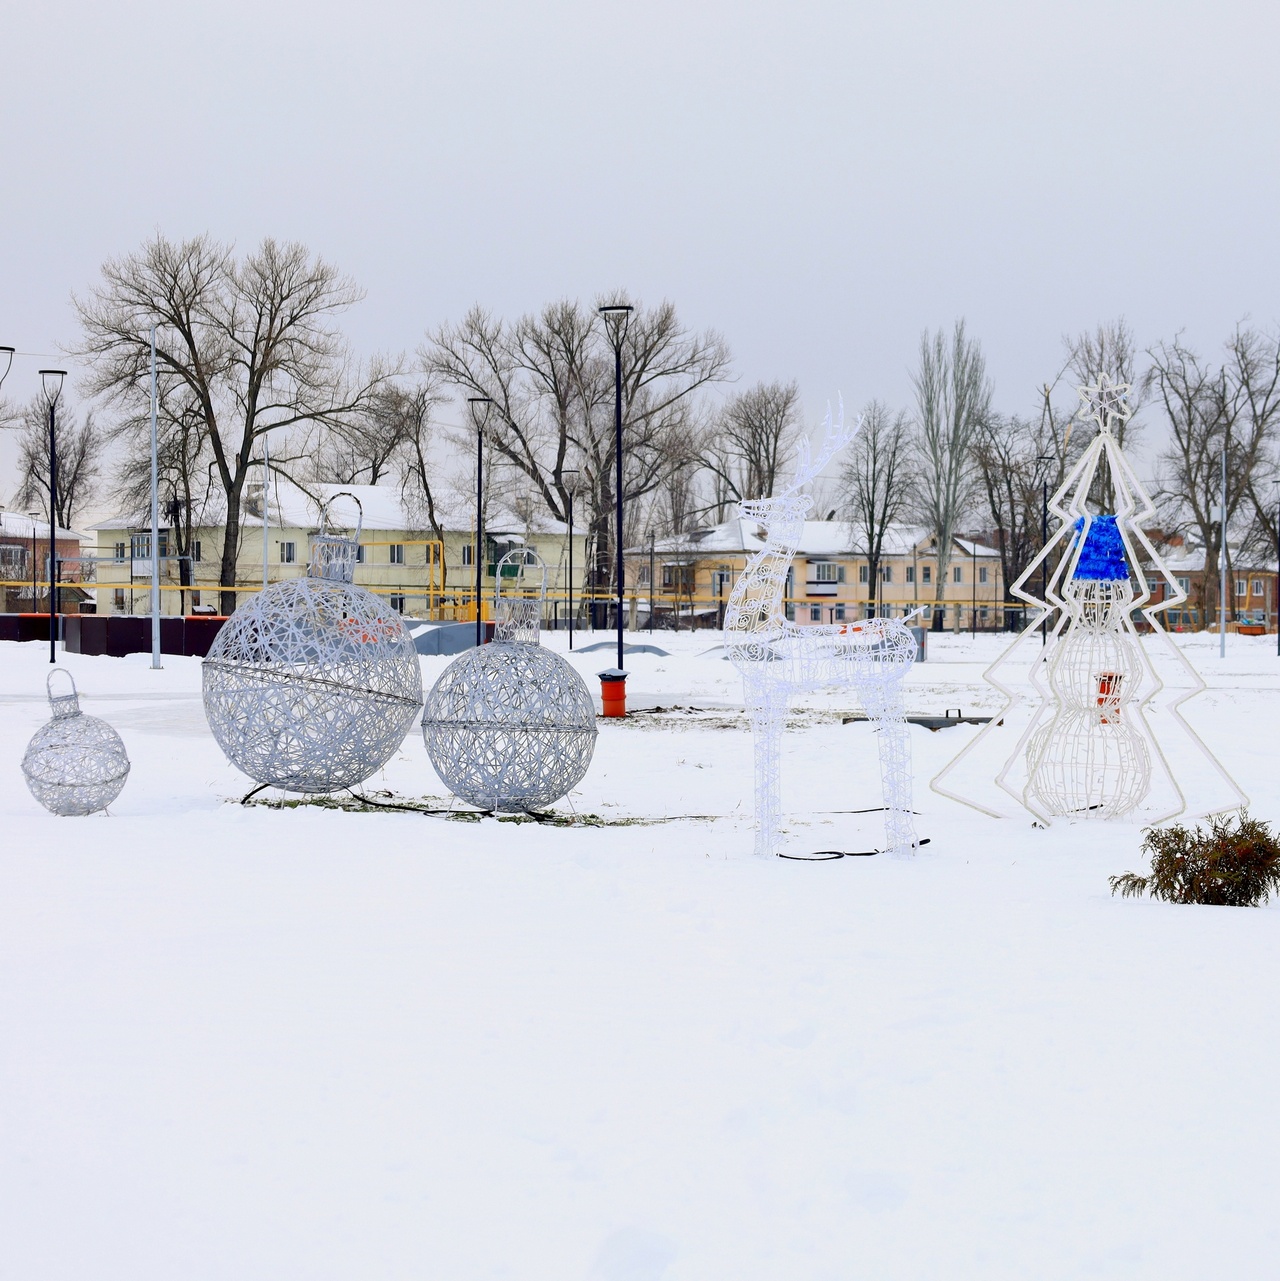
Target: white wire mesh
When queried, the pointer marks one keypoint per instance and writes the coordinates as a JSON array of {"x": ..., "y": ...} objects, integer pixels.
[
  {"x": 1089, "y": 747},
  {"x": 510, "y": 726},
  {"x": 313, "y": 684},
  {"x": 76, "y": 764},
  {"x": 779, "y": 660}
]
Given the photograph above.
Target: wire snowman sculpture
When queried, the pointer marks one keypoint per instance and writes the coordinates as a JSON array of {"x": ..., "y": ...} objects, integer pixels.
[
  {"x": 76, "y": 764},
  {"x": 1089, "y": 748},
  {"x": 778, "y": 659},
  {"x": 510, "y": 726}
]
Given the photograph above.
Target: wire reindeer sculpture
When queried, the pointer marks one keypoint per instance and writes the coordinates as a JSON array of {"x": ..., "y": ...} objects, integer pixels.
[{"x": 777, "y": 659}]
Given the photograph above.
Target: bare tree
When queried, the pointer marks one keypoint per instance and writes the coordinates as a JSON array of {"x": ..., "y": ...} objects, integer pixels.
[
  {"x": 80, "y": 447},
  {"x": 1234, "y": 407},
  {"x": 953, "y": 400},
  {"x": 243, "y": 347},
  {"x": 753, "y": 436},
  {"x": 876, "y": 485},
  {"x": 550, "y": 377}
]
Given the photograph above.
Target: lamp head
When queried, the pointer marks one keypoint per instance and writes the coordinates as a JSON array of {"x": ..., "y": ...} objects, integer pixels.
[
  {"x": 617, "y": 316},
  {"x": 475, "y": 402},
  {"x": 52, "y": 380},
  {"x": 6, "y": 361}
]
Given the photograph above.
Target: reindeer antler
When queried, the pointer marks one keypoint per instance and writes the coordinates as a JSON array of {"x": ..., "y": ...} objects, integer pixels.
[{"x": 835, "y": 436}]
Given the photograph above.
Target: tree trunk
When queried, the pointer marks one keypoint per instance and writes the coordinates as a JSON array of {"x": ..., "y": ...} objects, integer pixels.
[{"x": 230, "y": 554}]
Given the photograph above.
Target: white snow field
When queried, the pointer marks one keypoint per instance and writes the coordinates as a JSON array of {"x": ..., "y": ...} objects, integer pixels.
[{"x": 243, "y": 1042}]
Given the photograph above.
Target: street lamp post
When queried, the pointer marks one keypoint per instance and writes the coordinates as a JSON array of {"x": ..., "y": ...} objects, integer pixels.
[
  {"x": 973, "y": 588},
  {"x": 1222, "y": 562},
  {"x": 571, "y": 491},
  {"x": 155, "y": 518},
  {"x": 480, "y": 424},
  {"x": 52, "y": 381},
  {"x": 617, "y": 319},
  {"x": 34, "y": 517}
]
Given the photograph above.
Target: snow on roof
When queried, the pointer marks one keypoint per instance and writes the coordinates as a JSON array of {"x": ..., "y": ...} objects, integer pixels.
[
  {"x": 382, "y": 506},
  {"x": 20, "y": 525}
]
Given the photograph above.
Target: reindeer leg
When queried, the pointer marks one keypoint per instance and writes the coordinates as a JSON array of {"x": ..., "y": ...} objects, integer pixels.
[
  {"x": 768, "y": 718},
  {"x": 886, "y": 707}
]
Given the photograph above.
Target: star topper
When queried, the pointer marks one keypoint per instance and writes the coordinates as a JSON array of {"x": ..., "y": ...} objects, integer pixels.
[{"x": 1107, "y": 403}]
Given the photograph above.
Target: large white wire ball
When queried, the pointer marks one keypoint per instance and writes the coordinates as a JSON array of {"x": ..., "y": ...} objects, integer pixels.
[
  {"x": 312, "y": 685},
  {"x": 75, "y": 764},
  {"x": 510, "y": 727}
]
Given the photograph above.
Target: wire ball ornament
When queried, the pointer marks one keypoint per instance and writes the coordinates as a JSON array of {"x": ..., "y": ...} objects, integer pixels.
[
  {"x": 1094, "y": 709},
  {"x": 76, "y": 764},
  {"x": 510, "y": 726},
  {"x": 312, "y": 684}
]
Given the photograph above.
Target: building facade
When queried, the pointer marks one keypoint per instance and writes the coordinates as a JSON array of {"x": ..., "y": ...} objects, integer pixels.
[
  {"x": 688, "y": 578},
  {"x": 421, "y": 575}
]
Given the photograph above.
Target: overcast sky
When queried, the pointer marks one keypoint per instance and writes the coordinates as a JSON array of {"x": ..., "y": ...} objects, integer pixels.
[{"x": 820, "y": 182}]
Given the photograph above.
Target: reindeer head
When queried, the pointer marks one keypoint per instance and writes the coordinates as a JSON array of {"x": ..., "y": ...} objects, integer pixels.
[{"x": 791, "y": 506}]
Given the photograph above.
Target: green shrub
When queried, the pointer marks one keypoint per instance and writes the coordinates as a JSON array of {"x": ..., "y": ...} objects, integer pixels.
[{"x": 1231, "y": 863}]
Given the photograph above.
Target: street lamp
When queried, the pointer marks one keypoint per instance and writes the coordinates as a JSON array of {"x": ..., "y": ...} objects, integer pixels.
[
  {"x": 617, "y": 319},
  {"x": 571, "y": 490},
  {"x": 51, "y": 379},
  {"x": 480, "y": 423},
  {"x": 34, "y": 517}
]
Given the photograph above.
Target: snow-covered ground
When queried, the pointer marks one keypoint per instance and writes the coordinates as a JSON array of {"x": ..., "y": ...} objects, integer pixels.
[{"x": 257, "y": 1043}]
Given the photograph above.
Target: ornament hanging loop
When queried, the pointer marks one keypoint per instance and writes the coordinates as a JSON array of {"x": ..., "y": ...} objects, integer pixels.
[
  {"x": 66, "y": 704},
  {"x": 334, "y": 555},
  {"x": 519, "y": 618}
]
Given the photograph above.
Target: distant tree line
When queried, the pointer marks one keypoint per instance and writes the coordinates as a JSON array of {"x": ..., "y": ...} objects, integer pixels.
[{"x": 250, "y": 344}]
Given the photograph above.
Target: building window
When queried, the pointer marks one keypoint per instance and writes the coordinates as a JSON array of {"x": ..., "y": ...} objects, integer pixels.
[
  {"x": 1257, "y": 587},
  {"x": 195, "y": 550},
  {"x": 886, "y": 573},
  {"x": 117, "y": 601},
  {"x": 468, "y": 554},
  {"x": 195, "y": 599},
  {"x": 825, "y": 571},
  {"x": 1242, "y": 587},
  {"x": 288, "y": 553},
  {"x": 397, "y": 553},
  {"x": 957, "y": 573},
  {"x": 839, "y": 614},
  {"x": 911, "y": 573},
  {"x": 122, "y": 550},
  {"x": 397, "y": 602},
  {"x": 679, "y": 577},
  {"x": 926, "y": 573},
  {"x": 642, "y": 576},
  {"x": 359, "y": 553},
  {"x": 864, "y": 573},
  {"x": 815, "y": 613},
  {"x": 1184, "y": 584},
  {"x": 982, "y": 573},
  {"x": 721, "y": 582},
  {"x": 140, "y": 547}
]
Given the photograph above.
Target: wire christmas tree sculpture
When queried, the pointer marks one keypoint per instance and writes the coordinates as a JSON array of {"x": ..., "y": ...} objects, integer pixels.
[
  {"x": 312, "y": 684},
  {"x": 1088, "y": 747},
  {"x": 778, "y": 659},
  {"x": 510, "y": 726},
  {"x": 76, "y": 764}
]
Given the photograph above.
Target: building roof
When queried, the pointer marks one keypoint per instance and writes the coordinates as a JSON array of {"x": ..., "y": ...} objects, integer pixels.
[
  {"x": 383, "y": 509},
  {"x": 820, "y": 538},
  {"x": 20, "y": 525}
]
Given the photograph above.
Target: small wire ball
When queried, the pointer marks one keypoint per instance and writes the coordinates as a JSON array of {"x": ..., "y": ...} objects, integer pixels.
[
  {"x": 76, "y": 764},
  {"x": 312, "y": 684},
  {"x": 510, "y": 726}
]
